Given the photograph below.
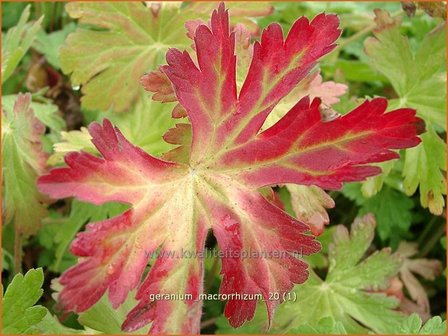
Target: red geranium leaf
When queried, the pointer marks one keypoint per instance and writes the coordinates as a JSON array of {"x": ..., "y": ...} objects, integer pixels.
[{"x": 216, "y": 186}]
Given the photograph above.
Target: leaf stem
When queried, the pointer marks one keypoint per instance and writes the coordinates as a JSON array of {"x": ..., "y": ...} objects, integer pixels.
[
  {"x": 434, "y": 238},
  {"x": 363, "y": 32},
  {"x": 208, "y": 322},
  {"x": 17, "y": 251},
  {"x": 211, "y": 275},
  {"x": 426, "y": 230}
]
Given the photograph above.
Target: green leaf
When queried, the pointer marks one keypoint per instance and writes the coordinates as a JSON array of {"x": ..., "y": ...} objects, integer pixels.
[
  {"x": 102, "y": 317},
  {"x": 24, "y": 161},
  {"x": 325, "y": 326},
  {"x": 419, "y": 79},
  {"x": 353, "y": 70},
  {"x": 18, "y": 313},
  {"x": 48, "y": 44},
  {"x": 16, "y": 43},
  {"x": 343, "y": 295},
  {"x": 45, "y": 112},
  {"x": 392, "y": 209},
  {"x": 119, "y": 41},
  {"x": 51, "y": 325},
  {"x": 374, "y": 184},
  {"x": 145, "y": 124},
  {"x": 20, "y": 316},
  {"x": 122, "y": 42},
  {"x": 413, "y": 326},
  {"x": 424, "y": 166}
]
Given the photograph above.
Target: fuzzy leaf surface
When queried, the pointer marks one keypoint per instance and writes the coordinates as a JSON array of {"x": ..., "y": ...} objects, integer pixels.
[
  {"x": 309, "y": 203},
  {"x": 174, "y": 204},
  {"x": 23, "y": 161}
]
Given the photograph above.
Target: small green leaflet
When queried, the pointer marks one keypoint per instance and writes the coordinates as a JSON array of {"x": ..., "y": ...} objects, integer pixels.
[
  {"x": 18, "y": 313},
  {"x": 20, "y": 316},
  {"x": 419, "y": 79},
  {"x": 413, "y": 326},
  {"x": 16, "y": 43},
  {"x": 392, "y": 209},
  {"x": 425, "y": 166},
  {"x": 374, "y": 184}
]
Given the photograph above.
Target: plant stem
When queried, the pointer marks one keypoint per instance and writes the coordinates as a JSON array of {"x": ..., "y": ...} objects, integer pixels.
[
  {"x": 211, "y": 275},
  {"x": 208, "y": 322},
  {"x": 427, "y": 230},
  {"x": 363, "y": 32},
  {"x": 17, "y": 251},
  {"x": 433, "y": 240},
  {"x": 356, "y": 36}
]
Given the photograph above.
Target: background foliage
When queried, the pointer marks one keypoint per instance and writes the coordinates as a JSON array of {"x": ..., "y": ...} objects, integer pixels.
[{"x": 83, "y": 62}]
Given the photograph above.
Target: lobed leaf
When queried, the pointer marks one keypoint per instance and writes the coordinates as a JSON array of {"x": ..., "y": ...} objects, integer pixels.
[
  {"x": 16, "y": 43},
  {"x": 19, "y": 315},
  {"x": 45, "y": 112},
  {"x": 23, "y": 161},
  {"x": 420, "y": 82},
  {"x": 414, "y": 326},
  {"x": 424, "y": 169},
  {"x": 125, "y": 40},
  {"x": 173, "y": 204},
  {"x": 426, "y": 268}
]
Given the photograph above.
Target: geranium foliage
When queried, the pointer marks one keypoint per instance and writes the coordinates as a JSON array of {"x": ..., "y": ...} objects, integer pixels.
[
  {"x": 419, "y": 79},
  {"x": 122, "y": 40},
  {"x": 21, "y": 141},
  {"x": 174, "y": 203}
]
